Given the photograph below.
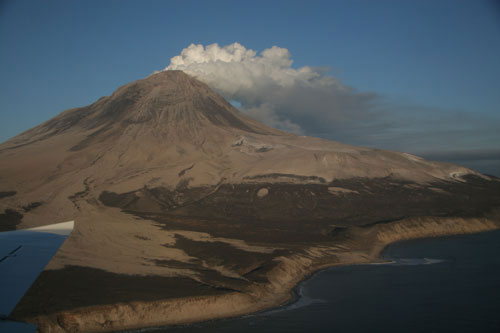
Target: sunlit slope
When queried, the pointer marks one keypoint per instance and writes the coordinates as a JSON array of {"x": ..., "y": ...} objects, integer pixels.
[{"x": 171, "y": 130}]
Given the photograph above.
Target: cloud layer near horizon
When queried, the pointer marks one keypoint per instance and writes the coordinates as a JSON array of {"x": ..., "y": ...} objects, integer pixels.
[{"x": 305, "y": 100}]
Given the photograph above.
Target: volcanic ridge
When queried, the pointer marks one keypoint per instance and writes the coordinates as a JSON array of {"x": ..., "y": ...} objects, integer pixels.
[{"x": 187, "y": 210}]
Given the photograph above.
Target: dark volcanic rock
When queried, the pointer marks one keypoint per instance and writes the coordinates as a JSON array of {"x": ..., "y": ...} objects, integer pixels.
[
  {"x": 5, "y": 194},
  {"x": 10, "y": 219},
  {"x": 309, "y": 212}
]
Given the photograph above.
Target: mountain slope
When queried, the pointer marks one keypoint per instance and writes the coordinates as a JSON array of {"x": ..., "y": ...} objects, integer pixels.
[
  {"x": 170, "y": 130},
  {"x": 175, "y": 193}
]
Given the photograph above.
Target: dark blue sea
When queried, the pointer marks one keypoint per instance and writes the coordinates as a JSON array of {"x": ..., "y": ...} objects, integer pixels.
[{"x": 447, "y": 284}]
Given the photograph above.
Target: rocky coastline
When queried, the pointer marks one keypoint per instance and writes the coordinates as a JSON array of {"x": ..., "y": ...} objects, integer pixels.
[{"x": 364, "y": 243}]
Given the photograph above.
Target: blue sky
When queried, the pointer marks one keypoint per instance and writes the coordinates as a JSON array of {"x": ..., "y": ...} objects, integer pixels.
[{"x": 433, "y": 65}]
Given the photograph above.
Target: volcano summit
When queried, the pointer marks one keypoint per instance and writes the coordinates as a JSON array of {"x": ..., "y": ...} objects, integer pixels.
[{"x": 187, "y": 210}]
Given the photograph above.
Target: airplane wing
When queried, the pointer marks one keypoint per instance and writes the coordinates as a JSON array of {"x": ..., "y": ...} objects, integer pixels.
[{"x": 23, "y": 256}]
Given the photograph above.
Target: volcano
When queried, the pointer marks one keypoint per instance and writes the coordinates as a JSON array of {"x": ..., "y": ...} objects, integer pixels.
[{"x": 179, "y": 196}]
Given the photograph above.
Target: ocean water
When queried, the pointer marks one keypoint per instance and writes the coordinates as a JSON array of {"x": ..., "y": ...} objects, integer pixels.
[{"x": 447, "y": 284}]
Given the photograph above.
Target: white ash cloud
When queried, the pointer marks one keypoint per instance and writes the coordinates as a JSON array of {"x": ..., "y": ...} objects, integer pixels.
[{"x": 303, "y": 100}]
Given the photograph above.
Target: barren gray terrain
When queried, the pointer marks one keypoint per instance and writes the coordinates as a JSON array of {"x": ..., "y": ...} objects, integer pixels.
[{"x": 186, "y": 209}]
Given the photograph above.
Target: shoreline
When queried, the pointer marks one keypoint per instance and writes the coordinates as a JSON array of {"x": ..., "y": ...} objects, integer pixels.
[{"x": 365, "y": 245}]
